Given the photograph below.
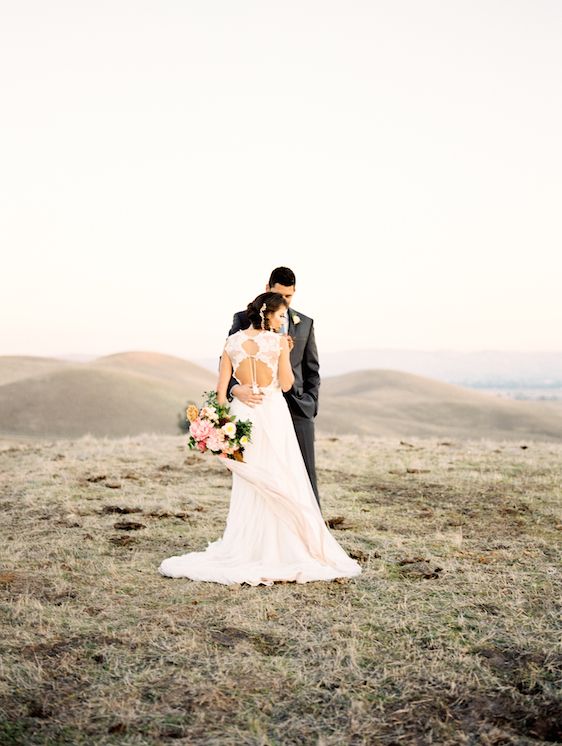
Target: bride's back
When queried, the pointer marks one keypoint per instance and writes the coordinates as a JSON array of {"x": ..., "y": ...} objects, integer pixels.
[{"x": 254, "y": 357}]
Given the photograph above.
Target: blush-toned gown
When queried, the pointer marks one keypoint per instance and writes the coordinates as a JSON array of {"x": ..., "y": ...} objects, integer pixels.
[{"x": 274, "y": 529}]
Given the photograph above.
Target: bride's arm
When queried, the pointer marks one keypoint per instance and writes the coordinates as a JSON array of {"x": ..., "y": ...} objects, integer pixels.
[
  {"x": 225, "y": 372},
  {"x": 286, "y": 375}
]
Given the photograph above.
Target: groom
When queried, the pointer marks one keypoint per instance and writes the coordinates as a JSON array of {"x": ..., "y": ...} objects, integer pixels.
[{"x": 302, "y": 398}]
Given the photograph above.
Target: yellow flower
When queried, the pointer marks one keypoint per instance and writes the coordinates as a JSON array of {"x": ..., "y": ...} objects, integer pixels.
[
  {"x": 244, "y": 440},
  {"x": 192, "y": 413}
]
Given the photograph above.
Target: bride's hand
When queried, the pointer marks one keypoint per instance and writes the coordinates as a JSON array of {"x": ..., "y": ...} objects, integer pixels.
[
  {"x": 243, "y": 392},
  {"x": 290, "y": 341}
]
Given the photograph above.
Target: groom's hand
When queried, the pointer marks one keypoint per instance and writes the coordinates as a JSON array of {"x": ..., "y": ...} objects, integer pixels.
[{"x": 243, "y": 392}]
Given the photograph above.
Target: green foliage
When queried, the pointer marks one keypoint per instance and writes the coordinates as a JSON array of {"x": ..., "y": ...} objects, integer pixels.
[
  {"x": 223, "y": 410},
  {"x": 183, "y": 422}
]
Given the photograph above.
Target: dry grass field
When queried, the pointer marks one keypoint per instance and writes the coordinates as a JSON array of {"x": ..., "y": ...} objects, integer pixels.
[{"x": 451, "y": 635}]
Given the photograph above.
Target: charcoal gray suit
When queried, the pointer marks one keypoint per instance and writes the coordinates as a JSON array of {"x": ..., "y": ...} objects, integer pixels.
[{"x": 302, "y": 398}]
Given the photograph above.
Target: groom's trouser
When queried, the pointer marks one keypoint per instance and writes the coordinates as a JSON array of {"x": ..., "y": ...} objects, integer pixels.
[{"x": 304, "y": 428}]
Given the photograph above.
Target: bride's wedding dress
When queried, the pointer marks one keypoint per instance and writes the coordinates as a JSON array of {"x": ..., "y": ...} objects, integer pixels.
[{"x": 274, "y": 529}]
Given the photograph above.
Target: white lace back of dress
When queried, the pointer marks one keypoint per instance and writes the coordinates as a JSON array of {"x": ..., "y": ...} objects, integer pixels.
[{"x": 262, "y": 349}]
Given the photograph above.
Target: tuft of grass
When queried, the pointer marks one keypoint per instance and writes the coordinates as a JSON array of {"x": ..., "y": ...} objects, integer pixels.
[{"x": 451, "y": 634}]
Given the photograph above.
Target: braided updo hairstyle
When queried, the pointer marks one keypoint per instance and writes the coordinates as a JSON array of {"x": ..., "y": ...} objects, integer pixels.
[{"x": 272, "y": 301}]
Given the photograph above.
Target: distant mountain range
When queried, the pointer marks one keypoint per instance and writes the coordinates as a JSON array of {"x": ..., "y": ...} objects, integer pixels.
[{"x": 139, "y": 392}]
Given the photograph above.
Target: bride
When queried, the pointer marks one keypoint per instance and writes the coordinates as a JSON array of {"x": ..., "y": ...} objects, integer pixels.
[{"x": 274, "y": 529}]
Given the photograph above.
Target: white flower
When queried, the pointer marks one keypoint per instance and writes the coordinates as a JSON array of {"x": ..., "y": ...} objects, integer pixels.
[
  {"x": 244, "y": 440},
  {"x": 296, "y": 319},
  {"x": 209, "y": 413},
  {"x": 229, "y": 429}
]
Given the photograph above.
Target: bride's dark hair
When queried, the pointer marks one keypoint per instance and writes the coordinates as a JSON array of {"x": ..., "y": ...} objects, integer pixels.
[{"x": 255, "y": 309}]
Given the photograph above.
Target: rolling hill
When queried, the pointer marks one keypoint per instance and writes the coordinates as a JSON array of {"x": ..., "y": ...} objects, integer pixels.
[
  {"x": 134, "y": 392},
  {"x": 173, "y": 370},
  {"x": 390, "y": 402},
  {"x": 119, "y": 395},
  {"x": 13, "y": 368}
]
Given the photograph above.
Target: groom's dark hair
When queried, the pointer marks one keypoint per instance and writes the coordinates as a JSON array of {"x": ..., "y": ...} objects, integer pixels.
[{"x": 283, "y": 276}]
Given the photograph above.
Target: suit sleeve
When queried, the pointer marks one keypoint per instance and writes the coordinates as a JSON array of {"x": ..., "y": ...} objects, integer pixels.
[
  {"x": 236, "y": 324},
  {"x": 311, "y": 368},
  {"x": 235, "y": 327}
]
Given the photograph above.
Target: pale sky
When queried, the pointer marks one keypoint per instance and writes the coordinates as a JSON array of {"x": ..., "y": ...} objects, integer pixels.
[{"x": 158, "y": 159}]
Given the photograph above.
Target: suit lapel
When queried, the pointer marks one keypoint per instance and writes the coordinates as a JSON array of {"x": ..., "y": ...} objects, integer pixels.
[{"x": 292, "y": 331}]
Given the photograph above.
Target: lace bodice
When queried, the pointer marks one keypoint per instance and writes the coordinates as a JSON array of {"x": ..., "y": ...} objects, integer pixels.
[{"x": 268, "y": 350}]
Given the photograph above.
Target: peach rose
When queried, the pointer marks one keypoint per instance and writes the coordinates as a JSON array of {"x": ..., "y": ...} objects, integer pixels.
[{"x": 192, "y": 413}]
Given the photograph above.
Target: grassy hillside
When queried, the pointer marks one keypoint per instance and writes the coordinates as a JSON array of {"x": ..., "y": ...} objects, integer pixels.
[
  {"x": 161, "y": 367},
  {"x": 115, "y": 396},
  {"x": 449, "y": 636},
  {"x": 389, "y": 402},
  {"x": 17, "y": 368},
  {"x": 136, "y": 392}
]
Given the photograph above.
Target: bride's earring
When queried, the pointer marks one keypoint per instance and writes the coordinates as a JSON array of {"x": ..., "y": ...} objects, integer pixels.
[{"x": 262, "y": 309}]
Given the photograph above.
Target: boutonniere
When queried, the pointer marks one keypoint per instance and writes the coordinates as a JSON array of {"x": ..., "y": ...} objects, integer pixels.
[{"x": 296, "y": 319}]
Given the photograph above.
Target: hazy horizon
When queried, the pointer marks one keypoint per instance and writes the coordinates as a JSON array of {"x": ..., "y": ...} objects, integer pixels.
[{"x": 159, "y": 160}]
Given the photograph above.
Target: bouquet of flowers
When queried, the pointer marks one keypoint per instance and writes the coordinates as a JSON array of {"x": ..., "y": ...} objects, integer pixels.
[{"x": 212, "y": 428}]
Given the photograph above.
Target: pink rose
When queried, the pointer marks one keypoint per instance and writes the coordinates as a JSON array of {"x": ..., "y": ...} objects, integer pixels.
[
  {"x": 202, "y": 445},
  {"x": 215, "y": 440},
  {"x": 201, "y": 429}
]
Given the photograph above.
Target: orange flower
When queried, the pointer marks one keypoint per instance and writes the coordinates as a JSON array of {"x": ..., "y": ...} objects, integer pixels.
[{"x": 192, "y": 412}]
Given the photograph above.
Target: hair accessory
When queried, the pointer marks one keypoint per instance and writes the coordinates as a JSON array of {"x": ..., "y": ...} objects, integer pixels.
[{"x": 262, "y": 309}]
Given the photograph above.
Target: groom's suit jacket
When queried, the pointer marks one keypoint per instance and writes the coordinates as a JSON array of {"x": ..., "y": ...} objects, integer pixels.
[{"x": 302, "y": 398}]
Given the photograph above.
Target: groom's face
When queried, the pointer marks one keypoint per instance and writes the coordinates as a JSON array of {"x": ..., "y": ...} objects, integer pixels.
[{"x": 287, "y": 291}]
